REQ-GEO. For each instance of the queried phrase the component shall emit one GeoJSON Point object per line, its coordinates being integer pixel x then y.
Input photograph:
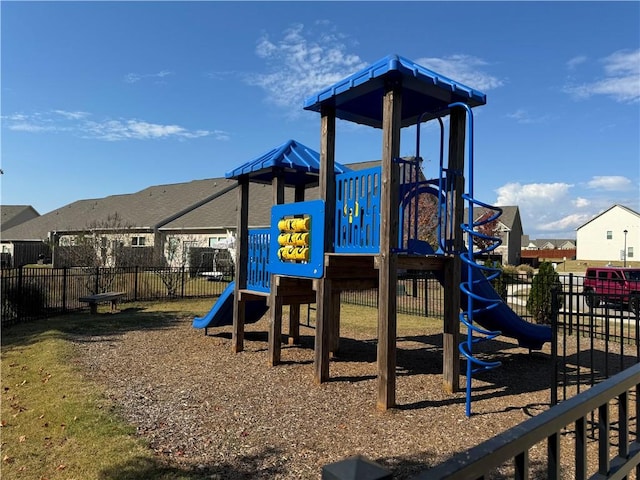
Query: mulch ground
{"type": "Point", "coordinates": [224, 415]}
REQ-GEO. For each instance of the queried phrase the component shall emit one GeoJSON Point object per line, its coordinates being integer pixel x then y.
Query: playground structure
{"type": "Point", "coordinates": [364, 228]}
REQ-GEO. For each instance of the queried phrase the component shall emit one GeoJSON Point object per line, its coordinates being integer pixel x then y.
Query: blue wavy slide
{"type": "Point", "coordinates": [500, 317]}
{"type": "Point", "coordinates": [222, 311]}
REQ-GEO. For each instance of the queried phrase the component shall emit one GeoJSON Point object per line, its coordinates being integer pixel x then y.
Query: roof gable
{"type": "Point", "coordinates": [627, 209]}
{"type": "Point", "coordinates": [12, 215]}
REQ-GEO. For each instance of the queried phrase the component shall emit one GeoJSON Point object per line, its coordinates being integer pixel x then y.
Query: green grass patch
{"type": "Point", "coordinates": [55, 422]}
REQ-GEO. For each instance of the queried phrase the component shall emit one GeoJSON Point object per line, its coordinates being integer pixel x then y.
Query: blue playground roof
{"type": "Point", "coordinates": [358, 98]}
{"type": "Point", "coordinates": [300, 164]}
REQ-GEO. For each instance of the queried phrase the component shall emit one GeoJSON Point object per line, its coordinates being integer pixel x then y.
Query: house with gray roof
{"type": "Point", "coordinates": [11, 216]}
{"type": "Point", "coordinates": [508, 227]}
{"type": "Point", "coordinates": [170, 218]}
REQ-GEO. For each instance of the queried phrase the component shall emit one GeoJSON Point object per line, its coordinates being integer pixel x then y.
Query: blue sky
{"type": "Point", "coordinates": [104, 98]}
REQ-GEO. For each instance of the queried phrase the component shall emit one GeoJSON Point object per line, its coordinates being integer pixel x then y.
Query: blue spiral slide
{"type": "Point", "coordinates": [222, 311]}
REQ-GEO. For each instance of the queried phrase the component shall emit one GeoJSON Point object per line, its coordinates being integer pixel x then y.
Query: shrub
{"type": "Point", "coordinates": [528, 269]}
{"type": "Point", "coordinates": [500, 282]}
{"type": "Point", "coordinates": [29, 300]}
{"type": "Point", "coordinates": [539, 303]}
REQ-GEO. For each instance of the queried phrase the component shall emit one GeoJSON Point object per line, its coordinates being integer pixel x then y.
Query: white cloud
{"type": "Point", "coordinates": [57, 121]}
{"type": "Point", "coordinates": [136, 77]}
{"type": "Point", "coordinates": [31, 127]}
{"type": "Point", "coordinates": [300, 63]}
{"type": "Point", "coordinates": [611, 182]}
{"type": "Point", "coordinates": [581, 202]}
{"type": "Point", "coordinates": [465, 69]}
{"type": "Point", "coordinates": [575, 61]}
{"type": "Point", "coordinates": [621, 79]}
{"type": "Point", "coordinates": [531, 194]}
{"type": "Point", "coordinates": [115, 130]}
{"type": "Point", "coordinates": [566, 223]}
{"type": "Point", "coordinates": [523, 117]}
{"type": "Point", "coordinates": [549, 209]}
{"type": "Point", "coordinates": [71, 115]}
{"type": "Point", "coordinates": [540, 204]}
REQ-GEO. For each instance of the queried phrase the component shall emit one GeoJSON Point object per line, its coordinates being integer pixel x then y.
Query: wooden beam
{"type": "Point", "coordinates": [275, 324]}
{"type": "Point", "coordinates": [388, 272]}
{"type": "Point", "coordinates": [294, 324]}
{"type": "Point", "coordinates": [420, 262]}
{"type": "Point", "coordinates": [327, 183]}
{"type": "Point", "coordinates": [451, 333]}
{"type": "Point", "coordinates": [335, 322]}
{"type": "Point", "coordinates": [341, 284]}
{"type": "Point", "coordinates": [242, 260]}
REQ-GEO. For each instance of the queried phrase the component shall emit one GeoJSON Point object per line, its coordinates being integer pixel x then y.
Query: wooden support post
{"type": "Point", "coordinates": [275, 299]}
{"type": "Point", "coordinates": [275, 323]}
{"type": "Point", "coordinates": [294, 324]}
{"type": "Point", "coordinates": [335, 322]}
{"type": "Point", "coordinates": [323, 333]}
{"type": "Point", "coordinates": [450, 340]}
{"type": "Point", "coordinates": [327, 183]}
{"type": "Point", "coordinates": [242, 260]}
{"type": "Point", "coordinates": [388, 271]}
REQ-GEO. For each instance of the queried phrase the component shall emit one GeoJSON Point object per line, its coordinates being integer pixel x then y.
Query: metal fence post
{"type": "Point", "coordinates": [64, 289]}
{"type": "Point", "coordinates": [425, 282]}
{"type": "Point", "coordinates": [554, 346]}
{"type": "Point", "coordinates": [182, 282]}
{"type": "Point", "coordinates": [20, 293]}
{"type": "Point", "coordinates": [135, 285]}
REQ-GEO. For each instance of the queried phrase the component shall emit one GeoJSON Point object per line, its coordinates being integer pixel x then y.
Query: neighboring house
{"type": "Point", "coordinates": [163, 221]}
{"type": "Point", "coordinates": [17, 253]}
{"type": "Point", "coordinates": [549, 244]}
{"type": "Point", "coordinates": [182, 215]}
{"type": "Point", "coordinates": [547, 250]}
{"type": "Point", "coordinates": [508, 229]}
{"type": "Point", "coordinates": [613, 235]}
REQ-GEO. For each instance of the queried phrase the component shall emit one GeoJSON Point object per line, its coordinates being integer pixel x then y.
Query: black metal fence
{"type": "Point", "coordinates": [30, 293]}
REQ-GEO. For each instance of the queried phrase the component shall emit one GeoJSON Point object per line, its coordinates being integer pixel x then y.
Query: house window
{"type": "Point", "coordinates": [214, 241]}
{"type": "Point", "coordinates": [137, 241]}
{"type": "Point", "coordinates": [630, 252]}
{"type": "Point", "coordinates": [609, 234]}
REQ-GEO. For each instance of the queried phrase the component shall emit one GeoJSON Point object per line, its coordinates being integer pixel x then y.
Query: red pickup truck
{"type": "Point", "coordinates": [613, 284]}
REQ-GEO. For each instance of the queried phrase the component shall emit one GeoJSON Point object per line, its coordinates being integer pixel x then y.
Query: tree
{"type": "Point", "coordinates": [173, 262]}
{"type": "Point", "coordinates": [97, 248]}
{"type": "Point", "coordinates": [487, 229]}
{"type": "Point", "coordinates": [540, 302]}
{"type": "Point", "coordinates": [427, 206]}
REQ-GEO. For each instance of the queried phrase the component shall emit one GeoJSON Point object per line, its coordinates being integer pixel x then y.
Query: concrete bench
{"type": "Point", "coordinates": [94, 300]}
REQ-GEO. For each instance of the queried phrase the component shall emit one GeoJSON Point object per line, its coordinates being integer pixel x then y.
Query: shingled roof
{"type": "Point", "coordinates": [510, 215]}
{"type": "Point", "coordinates": [147, 209]}
{"type": "Point", "coordinates": [12, 215]}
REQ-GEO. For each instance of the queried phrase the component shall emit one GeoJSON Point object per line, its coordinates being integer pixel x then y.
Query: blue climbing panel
{"type": "Point", "coordinates": [357, 220]}
{"type": "Point", "coordinates": [258, 278]}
